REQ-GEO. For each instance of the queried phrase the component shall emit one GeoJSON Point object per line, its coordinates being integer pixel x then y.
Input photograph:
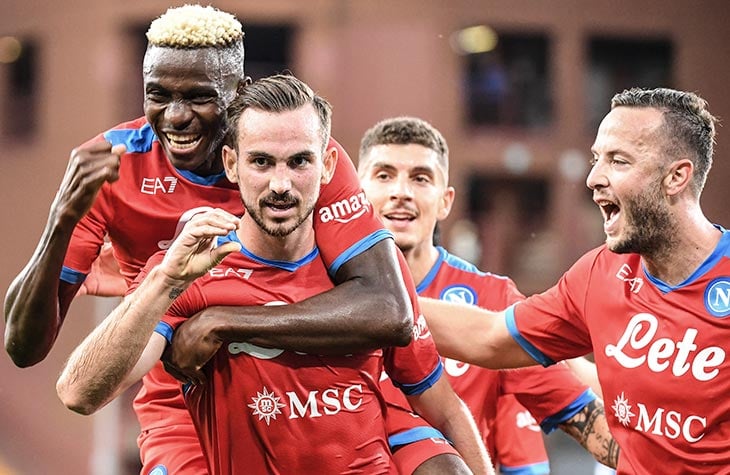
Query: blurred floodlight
{"type": "Point", "coordinates": [474, 39]}
{"type": "Point", "coordinates": [10, 49]}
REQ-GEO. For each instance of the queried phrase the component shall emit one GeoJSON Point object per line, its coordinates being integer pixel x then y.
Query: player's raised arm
{"type": "Point", "coordinates": [124, 346]}
{"type": "Point", "coordinates": [473, 335]}
{"type": "Point", "coordinates": [37, 301]}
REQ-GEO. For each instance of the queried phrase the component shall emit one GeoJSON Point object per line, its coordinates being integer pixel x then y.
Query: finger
{"type": "Point", "coordinates": [219, 253]}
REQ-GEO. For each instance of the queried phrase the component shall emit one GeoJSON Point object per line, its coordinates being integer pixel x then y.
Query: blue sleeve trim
{"type": "Point", "coordinates": [539, 468]}
{"type": "Point", "coordinates": [137, 140]}
{"type": "Point", "coordinates": [165, 330]}
{"type": "Point", "coordinates": [358, 248]}
{"type": "Point", "coordinates": [536, 354]}
{"type": "Point", "coordinates": [424, 384]}
{"type": "Point", "coordinates": [549, 424]}
{"type": "Point", "coordinates": [414, 435]}
{"type": "Point", "coordinates": [72, 276]}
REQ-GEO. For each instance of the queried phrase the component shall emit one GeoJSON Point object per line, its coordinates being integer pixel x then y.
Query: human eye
{"type": "Point", "coordinates": [156, 95]}
{"type": "Point", "coordinates": [300, 161]}
{"type": "Point", "coordinates": [422, 178]}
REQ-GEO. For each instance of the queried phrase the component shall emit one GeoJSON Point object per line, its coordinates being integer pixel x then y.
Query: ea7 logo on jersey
{"type": "Point", "coordinates": [717, 297]}
{"type": "Point", "coordinates": [635, 283]}
{"type": "Point", "coordinates": [241, 273]}
{"type": "Point", "coordinates": [459, 294]}
{"type": "Point", "coordinates": [345, 210]}
{"type": "Point", "coordinates": [152, 186]}
{"type": "Point", "coordinates": [663, 423]}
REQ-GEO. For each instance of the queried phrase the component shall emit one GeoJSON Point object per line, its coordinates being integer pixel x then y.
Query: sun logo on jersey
{"type": "Point", "coordinates": [622, 410]}
{"type": "Point", "coordinates": [266, 405]}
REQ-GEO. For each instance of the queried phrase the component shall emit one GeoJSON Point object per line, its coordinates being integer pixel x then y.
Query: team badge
{"type": "Point", "coordinates": [158, 470]}
{"type": "Point", "coordinates": [717, 297]}
{"type": "Point", "coordinates": [459, 294]}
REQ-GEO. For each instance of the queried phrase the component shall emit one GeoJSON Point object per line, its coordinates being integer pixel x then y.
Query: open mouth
{"type": "Point", "coordinates": [400, 216]}
{"type": "Point", "coordinates": [183, 142]}
{"type": "Point", "coordinates": [610, 212]}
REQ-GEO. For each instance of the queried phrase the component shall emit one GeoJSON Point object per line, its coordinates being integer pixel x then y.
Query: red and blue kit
{"type": "Point", "coordinates": [552, 397]}
{"type": "Point", "coordinates": [147, 207]}
{"type": "Point", "coordinates": [271, 411]}
{"type": "Point", "coordinates": [660, 352]}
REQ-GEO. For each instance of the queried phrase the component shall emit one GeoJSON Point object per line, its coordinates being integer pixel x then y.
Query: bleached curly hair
{"type": "Point", "coordinates": [194, 26]}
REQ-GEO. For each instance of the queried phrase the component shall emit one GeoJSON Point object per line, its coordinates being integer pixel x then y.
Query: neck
{"type": "Point", "coordinates": [420, 260]}
{"type": "Point", "coordinates": [288, 248]}
{"type": "Point", "coordinates": [694, 239]}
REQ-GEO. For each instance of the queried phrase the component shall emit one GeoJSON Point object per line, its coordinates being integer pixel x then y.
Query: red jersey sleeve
{"type": "Point", "coordinates": [345, 224]}
{"type": "Point", "coordinates": [416, 367]}
{"type": "Point", "coordinates": [551, 326]}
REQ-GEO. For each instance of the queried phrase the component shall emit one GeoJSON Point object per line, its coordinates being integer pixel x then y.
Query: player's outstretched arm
{"type": "Point", "coordinates": [590, 428]}
{"type": "Point", "coordinates": [441, 407]}
{"type": "Point", "coordinates": [369, 309]}
{"type": "Point", "coordinates": [37, 301]}
{"type": "Point", "coordinates": [124, 347]}
{"type": "Point", "coordinates": [473, 335]}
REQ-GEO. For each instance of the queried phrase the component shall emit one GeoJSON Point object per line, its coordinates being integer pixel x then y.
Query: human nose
{"type": "Point", "coordinates": [401, 188]}
{"type": "Point", "coordinates": [280, 181]}
{"type": "Point", "coordinates": [596, 176]}
{"type": "Point", "coordinates": [178, 113]}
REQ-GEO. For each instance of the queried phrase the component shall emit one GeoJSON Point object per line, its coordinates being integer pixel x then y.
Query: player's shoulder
{"type": "Point", "coordinates": [136, 134]}
{"type": "Point", "coordinates": [456, 264]}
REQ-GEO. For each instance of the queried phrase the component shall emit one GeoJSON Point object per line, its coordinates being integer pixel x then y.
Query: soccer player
{"type": "Point", "coordinates": [651, 303]}
{"type": "Point", "coordinates": [331, 405]}
{"type": "Point", "coordinates": [138, 183]}
{"type": "Point", "coordinates": [403, 167]}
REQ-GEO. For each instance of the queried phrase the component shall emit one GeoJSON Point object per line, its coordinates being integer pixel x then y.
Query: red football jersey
{"type": "Point", "coordinates": [146, 208]}
{"type": "Point", "coordinates": [551, 396]}
{"type": "Point", "coordinates": [659, 350]}
{"type": "Point", "coordinates": [258, 400]}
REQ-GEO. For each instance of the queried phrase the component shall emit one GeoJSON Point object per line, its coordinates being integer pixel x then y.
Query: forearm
{"type": "Point", "coordinates": [36, 301]}
{"type": "Point", "coordinates": [590, 428]}
{"type": "Point", "coordinates": [441, 407]}
{"type": "Point", "coordinates": [98, 369]}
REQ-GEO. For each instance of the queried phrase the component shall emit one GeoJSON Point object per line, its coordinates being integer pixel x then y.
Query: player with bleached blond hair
{"type": "Point", "coordinates": [138, 183]}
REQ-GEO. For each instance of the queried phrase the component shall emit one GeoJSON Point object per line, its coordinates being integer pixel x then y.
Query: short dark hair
{"type": "Point", "coordinates": [278, 93]}
{"type": "Point", "coordinates": [406, 131]}
{"type": "Point", "coordinates": [690, 127]}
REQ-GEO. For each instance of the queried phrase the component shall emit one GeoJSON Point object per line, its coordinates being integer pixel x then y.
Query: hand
{"type": "Point", "coordinates": [193, 253]}
{"type": "Point", "coordinates": [193, 345]}
{"type": "Point", "coordinates": [89, 167]}
{"type": "Point", "coordinates": [105, 278]}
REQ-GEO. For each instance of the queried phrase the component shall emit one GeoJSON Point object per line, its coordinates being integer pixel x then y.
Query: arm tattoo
{"type": "Point", "coordinates": [175, 293]}
{"type": "Point", "coordinates": [590, 428]}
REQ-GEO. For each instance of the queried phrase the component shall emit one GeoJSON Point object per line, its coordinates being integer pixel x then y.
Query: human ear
{"type": "Point", "coordinates": [679, 176]}
{"type": "Point", "coordinates": [447, 201]}
{"type": "Point", "coordinates": [230, 159]}
{"type": "Point", "coordinates": [329, 164]}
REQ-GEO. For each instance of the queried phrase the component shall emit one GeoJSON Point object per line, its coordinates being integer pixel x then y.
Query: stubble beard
{"type": "Point", "coordinates": [277, 231]}
{"type": "Point", "coordinates": [648, 227]}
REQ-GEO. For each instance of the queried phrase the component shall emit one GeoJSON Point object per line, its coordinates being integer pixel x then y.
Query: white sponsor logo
{"type": "Point", "coordinates": [152, 186]}
{"type": "Point", "coordinates": [184, 218]}
{"type": "Point", "coordinates": [664, 423]}
{"type": "Point", "coordinates": [345, 210]}
{"type": "Point", "coordinates": [219, 272]}
{"type": "Point", "coordinates": [420, 328]}
{"type": "Point", "coordinates": [455, 368]}
{"type": "Point", "coordinates": [524, 420]}
{"type": "Point", "coordinates": [661, 354]}
{"type": "Point", "coordinates": [635, 283]}
{"type": "Point", "coordinates": [267, 405]}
